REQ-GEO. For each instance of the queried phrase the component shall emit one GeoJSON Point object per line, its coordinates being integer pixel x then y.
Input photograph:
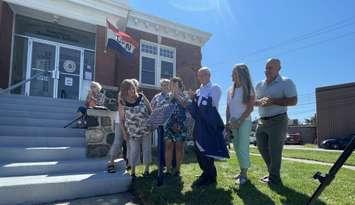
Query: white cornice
{"type": "Point", "coordinates": [95, 12]}
{"type": "Point", "coordinates": [90, 11]}
{"type": "Point", "coordinates": [161, 27]}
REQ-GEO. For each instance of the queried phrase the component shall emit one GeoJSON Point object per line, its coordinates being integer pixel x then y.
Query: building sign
{"type": "Point", "coordinates": [69, 66]}
{"type": "Point", "coordinates": [68, 81]}
{"type": "Point", "coordinates": [88, 75]}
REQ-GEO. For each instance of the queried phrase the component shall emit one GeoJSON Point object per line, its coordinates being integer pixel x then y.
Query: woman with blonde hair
{"type": "Point", "coordinates": [135, 129]}
{"type": "Point", "coordinates": [240, 102]}
{"type": "Point", "coordinates": [94, 98]}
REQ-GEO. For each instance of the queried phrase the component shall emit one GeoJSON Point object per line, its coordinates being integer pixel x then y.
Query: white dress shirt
{"type": "Point", "coordinates": [209, 90]}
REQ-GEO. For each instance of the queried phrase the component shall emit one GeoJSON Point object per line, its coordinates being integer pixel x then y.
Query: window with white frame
{"type": "Point", "coordinates": [156, 62]}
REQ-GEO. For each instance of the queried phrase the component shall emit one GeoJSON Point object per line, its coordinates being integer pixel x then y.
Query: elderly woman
{"type": "Point", "coordinates": [158, 101]}
{"type": "Point", "coordinates": [175, 130]}
{"type": "Point", "coordinates": [240, 101]}
{"type": "Point", "coordinates": [94, 98]}
{"type": "Point", "coordinates": [135, 130]}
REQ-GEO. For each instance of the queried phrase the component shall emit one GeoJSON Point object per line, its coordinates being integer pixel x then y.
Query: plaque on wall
{"type": "Point", "coordinates": [69, 66]}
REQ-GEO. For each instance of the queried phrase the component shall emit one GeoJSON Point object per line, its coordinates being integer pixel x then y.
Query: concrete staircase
{"type": "Point", "coordinates": [41, 162]}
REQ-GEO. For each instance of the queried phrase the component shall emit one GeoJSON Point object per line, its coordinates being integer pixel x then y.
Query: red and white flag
{"type": "Point", "coordinates": [119, 40]}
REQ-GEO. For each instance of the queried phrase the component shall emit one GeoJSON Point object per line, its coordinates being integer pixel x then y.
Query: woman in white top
{"type": "Point", "coordinates": [240, 101]}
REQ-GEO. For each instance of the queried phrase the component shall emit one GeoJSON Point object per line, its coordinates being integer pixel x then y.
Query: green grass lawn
{"type": "Point", "coordinates": [297, 178]}
{"type": "Point", "coordinates": [310, 145]}
{"type": "Point", "coordinates": [321, 156]}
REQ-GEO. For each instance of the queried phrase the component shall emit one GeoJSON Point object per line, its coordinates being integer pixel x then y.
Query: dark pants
{"type": "Point", "coordinates": [270, 138]}
{"type": "Point", "coordinates": [161, 148]}
{"type": "Point", "coordinates": [124, 150]}
{"type": "Point", "coordinates": [206, 164]}
{"type": "Point", "coordinates": [161, 155]}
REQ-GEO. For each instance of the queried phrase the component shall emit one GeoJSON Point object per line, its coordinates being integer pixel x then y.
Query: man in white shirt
{"type": "Point", "coordinates": [209, 142]}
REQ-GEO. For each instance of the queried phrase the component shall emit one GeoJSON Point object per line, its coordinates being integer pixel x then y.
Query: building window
{"type": "Point", "coordinates": [156, 62]}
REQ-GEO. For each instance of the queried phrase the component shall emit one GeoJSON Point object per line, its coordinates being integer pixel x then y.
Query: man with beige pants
{"type": "Point", "coordinates": [273, 95]}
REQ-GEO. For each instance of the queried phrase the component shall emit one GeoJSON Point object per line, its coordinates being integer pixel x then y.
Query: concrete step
{"type": "Point", "coordinates": [37, 114]}
{"type": "Point", "coordinates": [52, 103]}
{"type": "Point", "coordinates": [38, 154]}
{"type": "Point", "coordinates": [50, 188]}
{"type": "Point", "coordinates": [41, 141]}
{"type": "Point", "coordinates": [21, 121]}
{"type": "Point", "coordinates": [57, 167]}
{"type": "Point", "coordinates": [40, 131]}
{"type": "Point", "coordinates": [40, 99]}
{"type": "Point", "coordinates": [39, 108]}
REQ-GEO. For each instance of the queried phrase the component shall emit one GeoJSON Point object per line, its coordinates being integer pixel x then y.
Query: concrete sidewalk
{"type": "Point", "coordinates": [301, 147]}
{"type": "Point", "coordinates": [309, 161]}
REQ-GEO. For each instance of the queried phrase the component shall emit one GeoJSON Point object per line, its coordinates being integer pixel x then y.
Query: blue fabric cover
{"type": "Point", "coordinates": [209, 127]}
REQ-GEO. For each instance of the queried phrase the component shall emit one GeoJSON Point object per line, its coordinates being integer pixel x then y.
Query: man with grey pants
{"type": "Point", "coordinates": [273, 95]}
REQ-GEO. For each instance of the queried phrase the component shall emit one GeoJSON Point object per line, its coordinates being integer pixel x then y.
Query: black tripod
{"type": "Point", "coordinates": [326, 179]}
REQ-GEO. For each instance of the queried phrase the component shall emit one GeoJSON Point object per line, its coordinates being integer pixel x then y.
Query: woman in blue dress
{"type": "Point", "coordinates": [175, 129]}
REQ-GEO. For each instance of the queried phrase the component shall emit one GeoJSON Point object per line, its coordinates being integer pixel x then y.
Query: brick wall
{"type": "Point", "coordinates": [112, 68]}
{"type": "Point", "coordinates": [308, 133]}
{"type": "Point", "coordinates": [6, 19]}
{"type": "Point", "coordinates": [105, 60]}
{"type": "Point", "coordinates": [335, 111]}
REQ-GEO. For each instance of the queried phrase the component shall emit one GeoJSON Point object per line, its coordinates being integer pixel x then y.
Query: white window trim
{"type": "Point", "coordinates": [158, 60]}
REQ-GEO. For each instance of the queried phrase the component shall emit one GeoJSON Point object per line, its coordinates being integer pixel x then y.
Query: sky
{"type": "Point", "coordinates": [314, 39]}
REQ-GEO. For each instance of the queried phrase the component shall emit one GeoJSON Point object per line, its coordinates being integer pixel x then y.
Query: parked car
{"type": "Point", "coordinates": [336, 143]}
{"type": "Point", "coordinates": [252, 138]}
{"type": "Point", "coordinates": [294, 138]}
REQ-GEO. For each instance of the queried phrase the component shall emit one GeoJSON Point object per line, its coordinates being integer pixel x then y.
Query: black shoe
{"type": "Point", "coordinates": [146, 174]}
{"type": "Point", "coordinates": [203, 181]}
{"type": "Point", "coordinates": [160, 180]}
{"type": "Point", "coordinates": [133, 177]}
{"type": "Point", "coordinates": [271, 181]}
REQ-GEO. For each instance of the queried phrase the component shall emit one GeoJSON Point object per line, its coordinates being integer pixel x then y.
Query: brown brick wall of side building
{"type": "Point", "coordinates": [335, 111]}
{"type": "Point", "coordinates": [128, 68]}
{"type": "Point", "coordinates": [6, 19]}
{"type": "Point", "coordinates": [188, 61]}
{"type": "Point", "coordinates": [105, 60]}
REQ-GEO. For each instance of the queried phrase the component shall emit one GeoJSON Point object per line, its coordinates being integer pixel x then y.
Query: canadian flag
{"type": "Point", "coordinates": [119, 40]}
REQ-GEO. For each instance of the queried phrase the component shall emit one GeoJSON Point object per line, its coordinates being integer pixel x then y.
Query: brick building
{"type": "Point", "coordinates": [68, 37]}
{"type": "Point", "coordinates": [335, 111]}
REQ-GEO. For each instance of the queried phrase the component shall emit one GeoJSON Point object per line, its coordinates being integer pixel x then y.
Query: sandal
{"type": "Point", "coordinates": [111, 168]}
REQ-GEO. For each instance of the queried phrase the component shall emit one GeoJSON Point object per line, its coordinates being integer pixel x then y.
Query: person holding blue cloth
{"type": "Point", "coordinates": [209, 127]}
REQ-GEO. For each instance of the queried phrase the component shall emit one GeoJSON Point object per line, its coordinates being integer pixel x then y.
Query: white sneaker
{"type": "Point", "coordinates": [241, 180]}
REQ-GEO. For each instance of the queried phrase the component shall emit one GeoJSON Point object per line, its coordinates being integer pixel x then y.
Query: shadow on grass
{"type": "Point", "coordinates": [171, 192]}
{"type": "Point", "coordinates": [209, 195]}
{"type": "Point", "coordinates": [292, 196]}
{"type": "Point", "coordinates": [251, 195]}
{"type": "Point", "coordinates": [189, 155]}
